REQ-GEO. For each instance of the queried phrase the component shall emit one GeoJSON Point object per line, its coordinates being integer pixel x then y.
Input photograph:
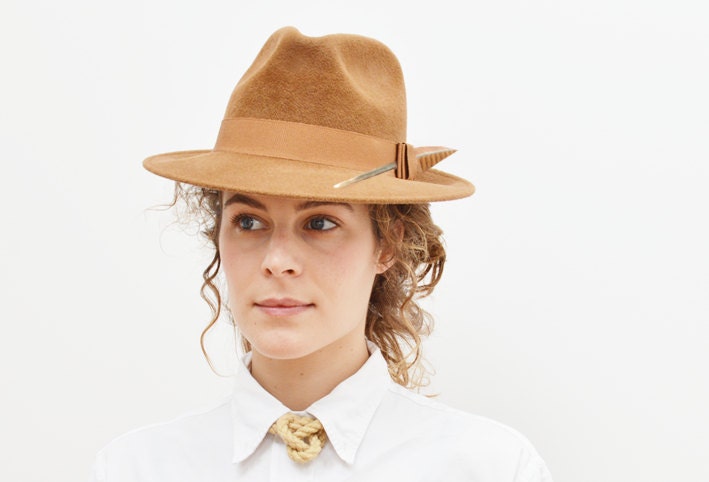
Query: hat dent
{"type": "Point", "coordinates": [342, 81]}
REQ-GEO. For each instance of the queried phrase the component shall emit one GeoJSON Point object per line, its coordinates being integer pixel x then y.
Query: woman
{"type": "Point", "coordinates": [317, 209]}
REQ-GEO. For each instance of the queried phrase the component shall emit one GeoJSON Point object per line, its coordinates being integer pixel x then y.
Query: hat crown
{"type": "Point", "coordinates": [342, 81]}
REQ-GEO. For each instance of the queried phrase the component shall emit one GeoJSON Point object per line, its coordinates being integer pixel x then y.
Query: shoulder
{"type": "Point", "coordinates": [427, 410]}
{"type": "Point", "coordinates": [205, 431]}
{"type": "Point", "coordinates": [195, 424]}
{"type": "Point", "coordinates": [463, 438]}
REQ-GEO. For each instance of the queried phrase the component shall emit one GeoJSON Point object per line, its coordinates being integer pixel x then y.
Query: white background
{"type": "Point", "coordinates": [575, 304]}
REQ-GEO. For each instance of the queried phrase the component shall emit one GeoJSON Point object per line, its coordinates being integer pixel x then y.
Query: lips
{"type": "Point", "coordinates": [282, 306]}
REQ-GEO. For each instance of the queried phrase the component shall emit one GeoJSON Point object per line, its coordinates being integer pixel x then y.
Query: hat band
{"type": "Point", "coordinates": [305, 142]}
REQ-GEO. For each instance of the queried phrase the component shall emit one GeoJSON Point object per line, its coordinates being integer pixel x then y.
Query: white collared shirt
{"type": "Point", "coordinates": [376, 430]}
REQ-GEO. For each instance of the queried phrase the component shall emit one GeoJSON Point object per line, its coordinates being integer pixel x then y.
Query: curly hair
{"type": "Point", "coordinates": [395, 321]}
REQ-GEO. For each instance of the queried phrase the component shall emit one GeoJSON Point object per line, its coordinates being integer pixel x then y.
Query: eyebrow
{"type": "Point", "coordinates": [241, 199]}
{"type": "Point", "coordinates": [249, 201]}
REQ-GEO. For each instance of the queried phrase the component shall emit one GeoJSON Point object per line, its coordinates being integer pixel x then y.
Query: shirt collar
{"type": "Point", "coordinates": [346, 412]}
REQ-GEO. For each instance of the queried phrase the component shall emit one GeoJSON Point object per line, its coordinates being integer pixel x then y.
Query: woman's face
{"type": "Point", "coordinates": [299, 273]}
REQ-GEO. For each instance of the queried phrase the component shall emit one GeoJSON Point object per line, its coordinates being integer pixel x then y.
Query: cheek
{"type": "Point", "coordinates": [235, 265]}
{"type": "Point", "coordinates": [351, 272]}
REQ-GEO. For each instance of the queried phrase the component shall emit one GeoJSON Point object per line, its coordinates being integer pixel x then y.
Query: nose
{"type": "Point", "coordinates": [281, 257]}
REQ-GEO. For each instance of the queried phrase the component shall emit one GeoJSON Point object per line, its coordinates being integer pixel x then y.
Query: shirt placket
{"type": "Point", "coordinates": [285, 469]}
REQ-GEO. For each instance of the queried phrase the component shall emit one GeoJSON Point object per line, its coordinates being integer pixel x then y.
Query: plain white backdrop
{"type": "Point", "coordinates": [575, 305]}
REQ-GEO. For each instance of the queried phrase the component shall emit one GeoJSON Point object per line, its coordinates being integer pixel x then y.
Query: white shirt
{"type": "Point", "coordinates": [376, 431]}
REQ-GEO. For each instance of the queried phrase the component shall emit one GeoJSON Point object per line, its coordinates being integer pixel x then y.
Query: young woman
{"type": "Point", "coordinates": [317, 209]}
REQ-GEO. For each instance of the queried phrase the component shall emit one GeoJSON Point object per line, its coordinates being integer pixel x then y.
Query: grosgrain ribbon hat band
{"type": "Point", "coordinates": [334, 147]}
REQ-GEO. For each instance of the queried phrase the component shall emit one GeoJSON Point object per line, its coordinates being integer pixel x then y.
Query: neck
{"type": "Point", "coordinates": [301, 382]}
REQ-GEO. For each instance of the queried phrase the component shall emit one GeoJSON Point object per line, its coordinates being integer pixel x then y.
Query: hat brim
{"type": "Point", "coordinates": [231, 171]}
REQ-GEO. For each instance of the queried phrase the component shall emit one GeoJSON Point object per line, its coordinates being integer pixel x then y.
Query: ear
{"type": "Point", "coordinates": [386, 256]}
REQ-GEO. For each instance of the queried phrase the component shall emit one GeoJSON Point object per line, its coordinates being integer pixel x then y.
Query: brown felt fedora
{"type": "Point", "coordinates": [321, 118]}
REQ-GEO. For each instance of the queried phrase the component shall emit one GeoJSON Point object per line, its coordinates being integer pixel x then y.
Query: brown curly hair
{"type": "Point", "coordinates": [395, 321]}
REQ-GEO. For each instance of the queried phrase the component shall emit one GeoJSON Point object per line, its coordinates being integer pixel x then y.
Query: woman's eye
{"type": "Point", "coordinates": [320, 224]}
{"type": "Point", "coordinates": [248, 223]}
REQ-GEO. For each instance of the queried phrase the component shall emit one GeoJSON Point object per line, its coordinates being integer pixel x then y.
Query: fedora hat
{"type": "Point", "coordinates": [321, 118]}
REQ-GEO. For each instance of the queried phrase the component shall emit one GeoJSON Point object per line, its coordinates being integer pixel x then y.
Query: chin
{"type": "Point", "coordinates": [281, 346]}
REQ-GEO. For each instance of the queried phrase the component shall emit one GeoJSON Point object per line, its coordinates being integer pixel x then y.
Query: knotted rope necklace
{"type": "Point", "coordinates": [304, 436]}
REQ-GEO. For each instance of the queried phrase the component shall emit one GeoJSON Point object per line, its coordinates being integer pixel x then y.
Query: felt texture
{"type": "Point", "coordinates": [342, 81]}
